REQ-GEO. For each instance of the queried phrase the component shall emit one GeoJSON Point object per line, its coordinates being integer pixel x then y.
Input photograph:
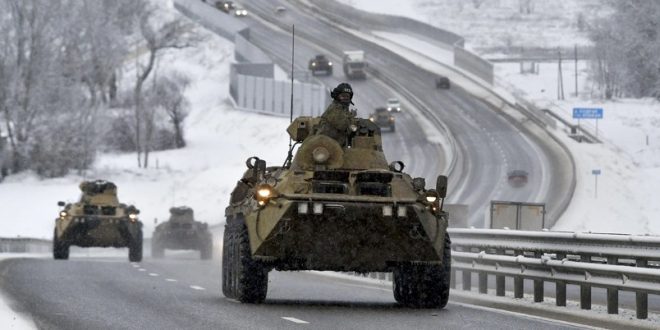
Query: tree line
{"type": "Point", "coordinates": [65, 93]}
{"type": "Point", "coordinates": [626, 48]}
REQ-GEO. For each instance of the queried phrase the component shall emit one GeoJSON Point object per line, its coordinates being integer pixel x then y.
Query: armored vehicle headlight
{"type": "Point", "coordinates": [263, 193]}
{"type": "Point", "coordinates": [132, 216]}
{"type": "Point", "coordinates": [321, 155]}
{"type": "Point", "coordinates": [401, 211]}
{"type": "Point", "coordinates": [371, 118]}
{"type": "Point", "coordinates": [387, 210]}
{"type": "Point", "coordinates": [318, 208]}
{"type": "Point", "coordinates": [313, 63]}
{"type": "Point", "coordinates": [354, 128]}
{"type": "Point", "coordinates": [303, 207]}
{"type": "Point", "coordinates": [330, 63]}
{"type": "Point", "coordinates": [63, 214]}
{"type": "Point", "coordinates": [431, 196]}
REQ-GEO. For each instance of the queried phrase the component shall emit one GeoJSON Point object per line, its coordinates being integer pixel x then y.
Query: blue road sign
{"type": "Point", "coordinates": [595, 172]}
{"type": "Point", "coordinates": [588, 113]}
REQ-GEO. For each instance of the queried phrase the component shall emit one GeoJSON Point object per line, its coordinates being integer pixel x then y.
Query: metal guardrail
{"type": "Point", "coordinates": [611, 261]}
{"type": "Point", "coordinates": [24, 245]}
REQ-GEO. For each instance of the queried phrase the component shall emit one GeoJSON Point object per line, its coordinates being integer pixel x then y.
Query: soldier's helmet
{"type": "Point", "coordinates": [342, 88]}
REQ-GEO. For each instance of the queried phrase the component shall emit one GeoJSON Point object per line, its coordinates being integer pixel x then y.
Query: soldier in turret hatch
{"type": "Point", "coordinates": [337, 118]}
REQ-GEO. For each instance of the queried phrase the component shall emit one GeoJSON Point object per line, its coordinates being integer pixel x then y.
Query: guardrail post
{"type": "Point", "coordinates": [467, 280]}
{"type": "Point", "coordinates": [612, 294]}
{"type": "Point", "coordinates": [560, 287]}
{"type": "Point", "coordinates": [500, 280]}
{"type": "Point", "coordinates": [585, 289]}
{"type": "Point", "coordinates": [518, 282]}
{"type": "Point", "coordinates": [642, 299]}
{"type": "Point", "coordinates": [483, 282]}
{"type": "Point", "coordinates": [538, 284]}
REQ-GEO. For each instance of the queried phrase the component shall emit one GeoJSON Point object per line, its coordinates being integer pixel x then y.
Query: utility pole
{"type": "Point", "coordinates": [576, 71]}
{"type": "Point", "coordinates": [560, 79]}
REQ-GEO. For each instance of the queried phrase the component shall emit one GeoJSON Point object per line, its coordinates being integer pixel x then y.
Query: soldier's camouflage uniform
{"type": "Point", "coordinates": [335, 122]}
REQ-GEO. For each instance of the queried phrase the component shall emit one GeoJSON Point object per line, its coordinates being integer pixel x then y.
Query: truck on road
{"type": "Point", "coordinates": [354, 64]}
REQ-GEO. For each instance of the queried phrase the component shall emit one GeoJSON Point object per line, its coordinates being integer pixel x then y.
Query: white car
{"type": "Point", "coordinates": [240, 11]}
{"type": "Point", "coordinates": [393, 105]}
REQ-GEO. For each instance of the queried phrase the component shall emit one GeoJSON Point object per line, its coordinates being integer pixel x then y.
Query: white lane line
{"type": "Point", "coordinates": [195, 287]}
{"type": "Point", "coordinates": [153, 274]}
{"type": "Point", "coordinates": [295, 320]}
{"type": "Point", "coordinates": [142, 270]}
{"type": "Point", "coordinates": [170, 280]}
{"type": "Point", "coordinates": [135, 265]}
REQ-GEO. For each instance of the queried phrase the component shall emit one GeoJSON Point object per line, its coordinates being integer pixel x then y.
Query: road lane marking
{"type": "Point", "coordinates": [142, 270]}
{"type": "Point", "coordinates": [153, 274]}
{"type": "Point", "coordinates": [195, 287]}
{"type": "Point", "coordinates": [295, 320]}
{"type": "Point", "coordinates": [135, 265]}
{"type": "Point", "coordinates": [170, 280]}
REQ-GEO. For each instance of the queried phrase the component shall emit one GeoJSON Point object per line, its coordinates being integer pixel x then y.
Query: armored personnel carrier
{"type": "Point", "coordinates": [98, 220]}
{"type": "Point", "coordinates": [182, 232]}
{"type": "Point", "coordinates": [334, 208]}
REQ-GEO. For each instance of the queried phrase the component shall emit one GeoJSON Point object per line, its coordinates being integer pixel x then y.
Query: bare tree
{"type": "Point", "coordinates": [172, 34]}
{"type": "Point", "coordinates": [170, 96]}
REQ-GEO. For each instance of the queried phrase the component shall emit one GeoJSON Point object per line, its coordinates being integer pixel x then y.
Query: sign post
{"type": "Point", "coordinates": [596, 173]}
{"type": "Point", "coordinates": [588, 113]}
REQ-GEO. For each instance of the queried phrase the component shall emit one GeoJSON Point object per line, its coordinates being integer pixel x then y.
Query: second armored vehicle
{"type": "Point", "coordinates": [383, 118]}
{"type": "Point", "coordinates": [320, 63]}
{"type": "Point", "coordinates": [335, 208]}
{"type": "Point", "coordinates": [182, 232]}
{"type": "Point", "coordinates": [98, 220]}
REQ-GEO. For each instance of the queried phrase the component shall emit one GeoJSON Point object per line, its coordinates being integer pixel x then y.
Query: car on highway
{"type": "Point", "coordinates": [442, 82]}
{"type": "Point", "coordinates": [383, 118]}
{"type": "Point", "coordinates": [240, 11]}
{"type": "Point", "coordinates": [517, 178]}
{"type": "Point", "coordinates": [280, 10]}
{"type": "Point", "coordinates": [393, 105]}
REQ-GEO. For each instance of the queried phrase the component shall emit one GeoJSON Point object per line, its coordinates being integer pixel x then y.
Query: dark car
{"type": "Point", "coordinates": [442, 82]}
{"type": "Point", "coordinates": [226, 6]}
{"type": "Point", "coordinates": [517, 178]}
{"type": "Point", "coordinates": [383, 118]}
{"type": "Point", "coordinates": [320, 63]}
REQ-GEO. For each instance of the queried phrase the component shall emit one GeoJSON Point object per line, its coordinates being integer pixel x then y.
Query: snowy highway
{"type": "Point", "coordinates": [182, 292]}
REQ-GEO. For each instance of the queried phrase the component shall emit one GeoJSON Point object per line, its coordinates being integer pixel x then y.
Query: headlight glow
{"type": "Point", "coordinates": [132, 216]}
{"type": "Point", "coordinates": [431, 199]}
{"type": "Point", "coordinates": [63, 214]}
{"type": "Point", "coordinates": [264, 192]}
{"type": "Point", "coordinates": [330, 63]}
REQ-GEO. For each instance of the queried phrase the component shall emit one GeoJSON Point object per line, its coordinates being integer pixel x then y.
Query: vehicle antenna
{"type": "Point", "coordinates": [287, 163]}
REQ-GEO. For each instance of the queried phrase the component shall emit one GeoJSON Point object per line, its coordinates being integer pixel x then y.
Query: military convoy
{"type": "Point", "coordinates": [334, 208]}
{"type": "Point", "coordinates": [182, 232]}
{"type": "Point", "coordinates": [97, 220]}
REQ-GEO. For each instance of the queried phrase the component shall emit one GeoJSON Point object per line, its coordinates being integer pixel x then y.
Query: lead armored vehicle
{"type": "Point", "coordinates": [182, 232]}
{"type": "Point", "coordinates": [383, 118]}
{"type": "Point", "coordinates": [98, 220]}
{"type": "Point", "coordinates": [334, 208]}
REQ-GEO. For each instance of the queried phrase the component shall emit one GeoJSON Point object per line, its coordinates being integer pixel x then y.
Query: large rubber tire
{"type": "Point", "coordinates": [227, 284]}
{"type": "Point", "coordinates": [60, 249]}
{"type": "Point", "coordinates": [244, 279]}
{"type": "Point", "coordinates": [157, 250]}
{"type": "Point", "coordinates": [424, 286]}
{"type": "Point", "coordinates": [206, 252]}
{"type": "Point", "coordinates": [135, 248]}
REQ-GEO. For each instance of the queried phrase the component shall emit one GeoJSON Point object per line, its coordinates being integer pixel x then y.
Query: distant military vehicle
{"type": "Point", "coordinates": [334, 208]}
{"type": "Point", "coordinates": [383, 118]}
{"type": "Point", "coordinates": [393, 105]}
{"type": "Point", "coordinates": [98, 220]}
{"type": "Point", "coordinates": [320, 63]}
{"type": "Point", "coordinates": [442, 82]}
{"type": "Point", "coordinates": [182, 232]}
